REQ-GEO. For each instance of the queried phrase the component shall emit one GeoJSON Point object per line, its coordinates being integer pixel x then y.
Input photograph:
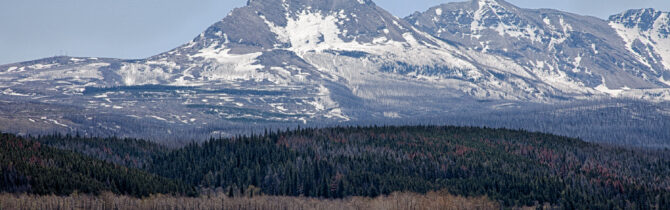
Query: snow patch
{"type": "Point", "coordinates": [11, 92]}
{"type": "Point", "coordinates": [337, 113]}
{"type": "Point", "coordinates": [653, 37]}
{"type": "Point", "coordinates": [604, 89]}
{"type": "Point", "coordinates": [391, 115]}
{"type": "Point", "coordinates": [41, 66]}
{"type": "Point", "coordinates": [662, 79]}
{"type": "Point", "coordinates": [57, 123]}
{"type": "Point", "coordinates": [232, 67]}
{"type": "Point", "coordinates": [565, 26]}
{"type": "Point", "coordinates": [310, 31]}
{"type": "Point", "coordinates": [577, 63]}
{"type": "Point", "coordinates": [279, 107]}
{"type": "Point", "coordinates": [82, 73]}
{"type": "Point", "coordinates": [101, 96]}
{"type": "Point", "coordinates": [141, 74]}
{"type": "Point", "coordinates": [158, 118]}
{"type": "Point", "coordinates": [323, 102]}
{"type": "Point", "coordinates": [165, 63]}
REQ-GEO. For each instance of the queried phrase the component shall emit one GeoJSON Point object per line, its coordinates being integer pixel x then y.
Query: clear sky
{"type": "Point", "coordinates": [32, 29]}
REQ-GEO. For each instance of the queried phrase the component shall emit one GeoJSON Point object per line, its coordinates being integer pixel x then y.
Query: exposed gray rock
{"type": "Point", "coordinates": [585, 50]}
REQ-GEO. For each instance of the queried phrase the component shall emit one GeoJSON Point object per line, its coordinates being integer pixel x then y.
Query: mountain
{"type": "Point", "coordinates": [280, 63]}
{"type": "Point", "coordinates": [563, 50]}
{"type": "Point", "coordinates": [271, 61]}
{"type": "Point", "coordinates": [645, 33]}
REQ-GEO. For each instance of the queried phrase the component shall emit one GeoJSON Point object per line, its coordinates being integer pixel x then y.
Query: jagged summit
{"type": "Point", "coordinates": [499, 3]}
{"type": "Point", "coordinates": [305, 24]}
{"type": "Point", "coordinates": [321, 4]}
{"type": "Point", "coordinates": [476, 4]}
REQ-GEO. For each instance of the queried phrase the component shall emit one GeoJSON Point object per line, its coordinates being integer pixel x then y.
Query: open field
{"type": "Point", "coordinates": [408, 201]}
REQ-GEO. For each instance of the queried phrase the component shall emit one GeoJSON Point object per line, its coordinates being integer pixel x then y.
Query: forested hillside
{"type": "Point", "coordinates": [29, 167]}
{"type": "Point", "coordinates": [514, 167]}
{"type": "Point", "coordinates": [135, 153]}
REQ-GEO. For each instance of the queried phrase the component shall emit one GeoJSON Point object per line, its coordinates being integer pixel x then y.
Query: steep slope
{"type": "Point", "coordinates": [563, 50]}
{"type": "Point", "coordinates": [645, 33]}
{"type": "Point", "coordinates": [352, 43]}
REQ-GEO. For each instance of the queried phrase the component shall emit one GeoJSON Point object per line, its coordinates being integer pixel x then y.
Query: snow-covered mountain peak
{"type": "Point", "coordinates": [298, 61]}
{"type": "Point", "coordinates": [321, 4]}
{"type": "Point", "coordinates": [646, 33]}
{"type": "Point", "coordinates": [565, 51]}
{"type": "Point", "coordinates": [476, 18]}
{"type": "Point", "coordinates": [494, 13]}
{"type": "Point", "coordinates": [306, 25]}
{"type": "Point", "coordinates": [499, 4]}
{"type": "Point", "coordinates": [495, 3]}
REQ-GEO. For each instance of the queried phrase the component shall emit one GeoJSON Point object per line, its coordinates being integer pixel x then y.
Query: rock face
{"type": "Point", "coordinates": [284, 62]}
{"type": "Point", "coordinates": [645, 34]}
{"type": "Point", "coordinates": [562, 49]}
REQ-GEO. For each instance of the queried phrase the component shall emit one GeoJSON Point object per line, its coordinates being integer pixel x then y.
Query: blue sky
{"type": "Point", "coordinates": [32, 29]}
